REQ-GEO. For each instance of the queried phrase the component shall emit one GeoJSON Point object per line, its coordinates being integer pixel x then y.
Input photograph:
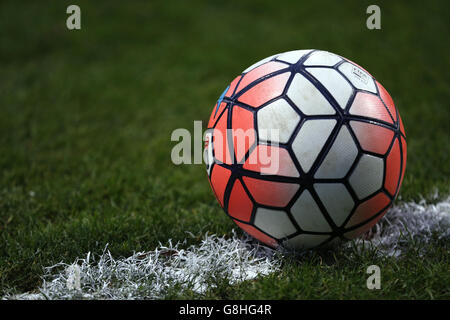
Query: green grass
{"type": "Point", "coordinates": [86, 118]}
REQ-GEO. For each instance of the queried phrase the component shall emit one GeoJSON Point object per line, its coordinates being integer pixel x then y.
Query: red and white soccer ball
{"type": "Point", "coordinates": [305, 147]}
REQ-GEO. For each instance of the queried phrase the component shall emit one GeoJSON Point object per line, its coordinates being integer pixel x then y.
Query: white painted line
{"type": "Point", "coordinates": [151, 275]}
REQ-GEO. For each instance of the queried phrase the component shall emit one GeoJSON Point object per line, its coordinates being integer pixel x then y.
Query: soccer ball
{"type": "Point", "coordinates": [303, 148]}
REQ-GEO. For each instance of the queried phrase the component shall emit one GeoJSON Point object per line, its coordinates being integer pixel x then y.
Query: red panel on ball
{"type": "Point", "coordinates": [219, 181]}
{"type": "Point", "coordinates": [263, 160]}
{"type": "Point", "coordinates": [240, 206]}
{"type": "Point", "coordinates": [220, 140]}
{"type": "Point", "coordinates": [215, 115]}
{"type": "Point", "coordinates": [265, 90]}
{"type": "Point", "coordinates": [243, 131]}
{"type": "Point", "coordinates": [255, 233]}
{"type": "Point", "coordinates": [393, 168]}
{"type": "Point", "coordinates": [233, 85]}
{"type": "Point", "coordinates": [369, 105]}
{"type": "Point", "coordinates": [270, 193]}
{"type": "Point", "coordinates": [259, 72]}
{"type": "Point", "coordinates": [364, 228]}
{"type": "Point", "coordinates": [372, 137]}
{"type": "Point", "coordinates": [386, 97]}
{"type": "Point", "coordinates": [368, 209]}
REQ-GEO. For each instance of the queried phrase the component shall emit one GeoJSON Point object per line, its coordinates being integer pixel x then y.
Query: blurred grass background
{"type": "Point", "coordinates": [86, 116]}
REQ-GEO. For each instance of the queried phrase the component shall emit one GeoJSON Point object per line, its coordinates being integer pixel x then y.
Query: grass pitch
{"type": "Point", "coordinates": [86, 118]}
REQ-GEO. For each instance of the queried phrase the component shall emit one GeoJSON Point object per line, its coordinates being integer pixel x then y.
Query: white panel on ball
{"type": "Point", "coordinates": [339, 158]}
{"type": "Point", "coordinates": [367, 177]}
{"type": "Point", "coordinates": [280, 116]}
{"type": "Point", "coordinates": [274, 222]}
{"type": "Point", "coordinates": [308, 215]}
{"type": "Point", "coordinates": [308, 98]}
{"type": "Point", "coordinates": [322, 58]}
{"type": "Point", "coordinates": [305, 241]}
{"type": "Point", "coordinates": [336, 200]}
{"type": "Point", "coordinates": [310, 140]}
{"type": "Point", "coordinates": [358, 77]}
{"type": "Point", "coordinates": [292, 56]}
{"type": "Point", "coordinates": [336, 85]}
